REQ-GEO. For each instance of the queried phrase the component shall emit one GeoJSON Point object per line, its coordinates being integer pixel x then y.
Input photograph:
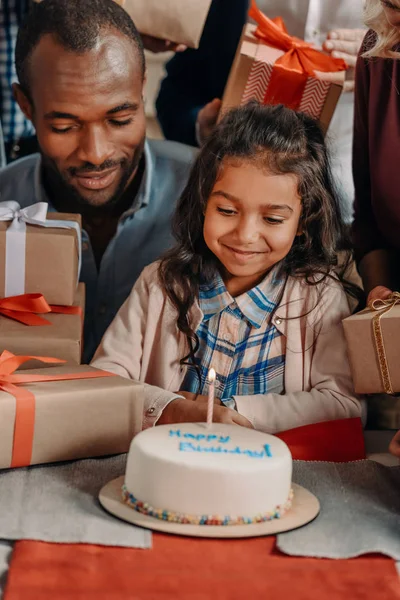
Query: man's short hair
{"type": "Point", "coordinates": [76, 25]}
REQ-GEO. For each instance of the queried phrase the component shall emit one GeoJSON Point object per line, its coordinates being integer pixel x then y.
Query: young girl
{"type": "Point", "coordinates": [249, 288]}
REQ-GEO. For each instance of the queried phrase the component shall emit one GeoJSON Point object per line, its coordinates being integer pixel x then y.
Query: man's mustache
{"type": "Point", "coordinates": [89, 168]}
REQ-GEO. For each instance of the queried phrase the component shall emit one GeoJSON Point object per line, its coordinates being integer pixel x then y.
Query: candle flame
{"type": "Point", "coordinates": [211, 376]}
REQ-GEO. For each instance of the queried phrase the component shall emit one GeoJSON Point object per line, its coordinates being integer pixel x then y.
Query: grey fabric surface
{"type": "Point", "coordinates": [59, 503]}
{"type": "Point", "coordinates": [360, 510]}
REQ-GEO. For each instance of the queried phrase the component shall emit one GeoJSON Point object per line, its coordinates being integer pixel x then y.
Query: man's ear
{"type": "Point", "coordinates": [23, 101]}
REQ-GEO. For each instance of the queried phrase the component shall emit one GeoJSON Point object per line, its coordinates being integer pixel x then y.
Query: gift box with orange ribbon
{"type": "Point", "coordinates": [274, 67]}
{"type": "Point", "coordinates": [30, 325]}
{"type": "Point", "coordinates": [64, 412]}
{"type": "Point", "coordinates": [373, 344]}
{"type": "Point", "coordinates": [40, 252]}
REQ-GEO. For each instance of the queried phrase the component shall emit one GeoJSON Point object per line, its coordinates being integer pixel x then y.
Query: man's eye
{"type": "Point", "coordinates": [60, 129]}
{"type": "Point", "coordinates": [120, 123]}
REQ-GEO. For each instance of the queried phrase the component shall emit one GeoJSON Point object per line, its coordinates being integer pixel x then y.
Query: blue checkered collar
{"type": "Point", "coordinates": [255, 305]}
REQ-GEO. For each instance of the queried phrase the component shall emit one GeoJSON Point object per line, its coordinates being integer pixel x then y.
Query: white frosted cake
{"type": "Point", "coordinates": [222, 475]}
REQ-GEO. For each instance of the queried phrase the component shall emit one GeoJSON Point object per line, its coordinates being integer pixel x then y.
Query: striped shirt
{"type": "Point", "coordinates": [15, 125]}
{"type": "Point", "coordinates": [239, 341]}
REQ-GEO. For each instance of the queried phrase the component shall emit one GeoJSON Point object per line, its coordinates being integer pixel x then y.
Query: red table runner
{"type": "Point", "coordinates": [201, 569]}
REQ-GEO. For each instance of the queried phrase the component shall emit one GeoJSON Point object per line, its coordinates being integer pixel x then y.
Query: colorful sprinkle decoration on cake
{"type": "Point", "coordinates": [173, 517]}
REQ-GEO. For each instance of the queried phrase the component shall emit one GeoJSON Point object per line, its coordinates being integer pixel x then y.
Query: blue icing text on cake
{"type": "Point", "coordinates": [200, 437]}
{"type": "Point", "coordinates": [217, 446]}
{"type": "Point", "coordinates": [189, 447]}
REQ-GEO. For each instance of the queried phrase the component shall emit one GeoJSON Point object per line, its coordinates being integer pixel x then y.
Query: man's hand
{"type": "Point", "coordinates": [380, 292]}
{"type": "Point", "coordinates": [345, 44]}
{"type": "Point", "coordinates": [156, 45]}
{"type": "Point", "coordinates": [206, 120]}
{"type": "Point", "coordinates": [183, 410]}
{"type": "Point", "coordinates": [394, 447]}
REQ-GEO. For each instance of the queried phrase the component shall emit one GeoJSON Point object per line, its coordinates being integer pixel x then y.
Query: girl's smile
{"type": "Point", "coordinates": [251, 220]}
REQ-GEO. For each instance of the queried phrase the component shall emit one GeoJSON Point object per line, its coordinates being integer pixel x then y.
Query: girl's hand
{"type": "Point", "coordinates": [182, 410]}
{"type": "Point", "coordinates": [380, 292]}
{"type": "Point", "coordinates": [394, 447]}
{"type": "Point", "coordinates": [198, 397]}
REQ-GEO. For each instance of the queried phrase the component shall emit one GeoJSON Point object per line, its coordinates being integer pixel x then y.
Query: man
{"type": "Point", "coordinates": [188, 102]}
{"type": "Point", "coordinates": [81, 74]}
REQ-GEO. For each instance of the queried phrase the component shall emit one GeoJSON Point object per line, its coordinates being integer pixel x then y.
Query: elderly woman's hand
{"type": "Point", "coordinates": [345, 44]}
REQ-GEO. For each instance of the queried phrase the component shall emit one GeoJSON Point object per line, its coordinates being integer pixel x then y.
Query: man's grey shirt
{"type": "Point", "coordinates": [143, 232]}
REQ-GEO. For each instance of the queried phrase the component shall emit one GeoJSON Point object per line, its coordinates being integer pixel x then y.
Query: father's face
{"type": "Point", "coordinates": [89, 116]}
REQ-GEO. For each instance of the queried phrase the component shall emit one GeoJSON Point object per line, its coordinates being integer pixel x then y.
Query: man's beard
{"type": "Point", "coordinates": [68, 195]}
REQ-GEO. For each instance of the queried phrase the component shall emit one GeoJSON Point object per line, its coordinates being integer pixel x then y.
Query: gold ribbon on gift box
{"type": "Point", "coordinates": [382, 307]}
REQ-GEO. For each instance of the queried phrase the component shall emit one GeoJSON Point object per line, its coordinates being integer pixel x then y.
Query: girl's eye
{"type": "Point", "coordinates": [120, 123]}
{"type": "Point", "coordinates": [273, 221]}
{"type": "Point", "coordinates": [60, 130]}
{"type": "Point", "coordinates": [226, 211]}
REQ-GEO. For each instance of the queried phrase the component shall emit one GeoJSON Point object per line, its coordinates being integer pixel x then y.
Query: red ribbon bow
{"type": "Point", "coordinates": [24, 427]}
{"type": "Point", "coordinates": [300, 61]}
{"type": "Point", "coordinates": [27, 307]}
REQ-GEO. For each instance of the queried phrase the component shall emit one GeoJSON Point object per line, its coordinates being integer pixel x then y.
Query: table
{"type": "Point", "coordinates": [177, 565]}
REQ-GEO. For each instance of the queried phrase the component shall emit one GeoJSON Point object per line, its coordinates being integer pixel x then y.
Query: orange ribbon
{"type": "Point", "coordinates": [24, 426]}
{"type": "Point", "coordinates": [299, 62]}
{"type": "Point", "coordinates": [27, 307]}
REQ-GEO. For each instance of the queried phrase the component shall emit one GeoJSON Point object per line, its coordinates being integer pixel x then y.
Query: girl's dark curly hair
{"type": "Point", "coordinates": [279, 141]}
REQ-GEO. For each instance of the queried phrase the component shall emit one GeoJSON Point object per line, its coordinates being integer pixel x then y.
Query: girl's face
{"type": "Point", "coordinates": [391, 9]}
{"type": "Point", "coordinates": [251, 221]}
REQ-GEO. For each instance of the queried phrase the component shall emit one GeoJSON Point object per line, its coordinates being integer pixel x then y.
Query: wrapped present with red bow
{"type": "Point", "coordinates": [40, 252]}
{"type": "Point", "coordinates": [373, 345]}
{"type": "Point", "coordinates": [63, 412]}
{"type": "Point", "coordinates": [273, 67]}
{"type": "Point", "coordinates": [30, 325]}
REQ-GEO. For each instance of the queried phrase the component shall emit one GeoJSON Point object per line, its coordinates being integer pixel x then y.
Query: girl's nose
{"type": "Point", "coordinates": [247, 231]}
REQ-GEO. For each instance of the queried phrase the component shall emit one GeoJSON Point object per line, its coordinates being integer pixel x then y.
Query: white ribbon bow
{"type": "Point", "coordinates": [16, 240]}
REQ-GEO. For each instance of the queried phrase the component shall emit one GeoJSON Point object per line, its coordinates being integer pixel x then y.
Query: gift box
{"type": "Point", "coordinates": [273, 67]}
{"type": "Point", "coordinates": [64, 412]}
{"type": "Point", "coordinates": [57, 334]}
{"type": "Point", "coordinates": [373, 344]}
{"type": "Point", "coordinates": [39, 253]}
{"type": "Point", "coordinates": [179, 21]}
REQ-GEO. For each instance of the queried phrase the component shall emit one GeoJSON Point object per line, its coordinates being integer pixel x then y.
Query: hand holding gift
{"type": "Point", "coordinates": [274, 67]}
{"type": "Point", "coordinates": [372, 337]}
{"type": "Point", "coordinates": [345, 44]}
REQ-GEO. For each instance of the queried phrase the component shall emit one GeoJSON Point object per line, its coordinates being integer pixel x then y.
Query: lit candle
{"type": "Point", "coordinates": [211, 394]}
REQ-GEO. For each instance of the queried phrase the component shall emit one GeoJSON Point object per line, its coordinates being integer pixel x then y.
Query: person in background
{"type": "Point", "coordinates": [17, 130]}
{"type": "Point", "coordinates": [81, 72]}
{"type": "Point", "coordinates": [249, 289]}
{"type": "Point", "coordinates": [376, 227]}
{"type": "Point", "coordinates": [189, 98]}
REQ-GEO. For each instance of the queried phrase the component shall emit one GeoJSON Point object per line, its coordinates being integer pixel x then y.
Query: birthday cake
{"type": "Point", "coordinates": [221, 475]}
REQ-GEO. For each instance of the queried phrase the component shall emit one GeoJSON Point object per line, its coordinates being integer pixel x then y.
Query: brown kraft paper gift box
{"type": "Point", "coordinates": [179, 21]}
{"type": "Point", "coordinates": [61, 339]}
{"type": "Point", "coordinates": [52, 259]}
{"type": "Point", "coordinates": [75, 419]}
{"type": "Point", "coordinates": [362, 352]}
{"type": "Point", "coordinates": [255, 57]}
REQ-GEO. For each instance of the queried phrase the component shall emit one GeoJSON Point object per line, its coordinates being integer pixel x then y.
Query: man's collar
{"type": "Point", "coordinates": [142, 198]}
{"type": "Point", "coordinates": [255, 305]}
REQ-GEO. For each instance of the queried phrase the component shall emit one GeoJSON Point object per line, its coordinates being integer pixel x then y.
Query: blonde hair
{"type": "Point", "coordinates": [387, 36]}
